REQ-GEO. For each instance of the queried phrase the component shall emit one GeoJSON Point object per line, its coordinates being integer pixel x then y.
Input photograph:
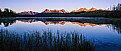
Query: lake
{"type": "Point", "coordinates": [104, 33]}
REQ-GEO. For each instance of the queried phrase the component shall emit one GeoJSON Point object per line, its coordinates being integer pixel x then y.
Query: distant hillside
{"type": "Point", "coordinates": [54, 11]}
{"type": "Point", "coordinates": [85, 9]}
{"type": "Point", "coordinates": [27, 13]}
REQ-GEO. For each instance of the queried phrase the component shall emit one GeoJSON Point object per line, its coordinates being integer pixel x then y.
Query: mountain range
{"type": "Point", "coordinates": [58, 11]}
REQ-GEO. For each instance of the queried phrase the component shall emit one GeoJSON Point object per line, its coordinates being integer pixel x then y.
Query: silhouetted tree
{"type": "Point", "coordinates": [114, 7]}
{"type": "Point", "coordinates": [7, 13]}
{"type": "Point", "coordinates": [6, 10]}
{"type": "Point", "coordinates": [0, 10]}
{"type": "Point", "coordinates": [117, 8]}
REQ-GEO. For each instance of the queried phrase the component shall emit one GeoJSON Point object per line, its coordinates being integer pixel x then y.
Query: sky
{"type": "Point", "coordinates": [68, 5]}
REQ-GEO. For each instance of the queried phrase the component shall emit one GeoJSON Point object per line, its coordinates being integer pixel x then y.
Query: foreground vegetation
{"type": "Point", "coordinates": [46, 41]}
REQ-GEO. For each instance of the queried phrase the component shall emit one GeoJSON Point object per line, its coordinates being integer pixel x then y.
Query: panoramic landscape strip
{"type": "Point", "coordinates": [60, 25]}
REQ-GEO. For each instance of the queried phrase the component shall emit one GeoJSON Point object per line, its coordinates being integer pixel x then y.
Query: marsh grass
{"type": "Point", "coordinates": [46, 41]}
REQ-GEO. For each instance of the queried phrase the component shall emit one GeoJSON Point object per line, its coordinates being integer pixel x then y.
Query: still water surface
{"type": "Point", "coordinates": [105, 32]}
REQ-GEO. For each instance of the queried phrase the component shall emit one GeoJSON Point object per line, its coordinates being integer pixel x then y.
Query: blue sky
{"type": "Point", "coordinates": [40, 5]}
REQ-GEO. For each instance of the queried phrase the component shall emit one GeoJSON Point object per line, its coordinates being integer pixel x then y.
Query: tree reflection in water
{"type": "Point", "coordinates": [7, 22]}
{"type": "Point", "coordinates": [46, 41]}
{"type": "Point", "coordinates": [116, 25]}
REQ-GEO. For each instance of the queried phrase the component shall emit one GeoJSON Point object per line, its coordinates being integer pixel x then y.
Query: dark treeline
{"type": "Point", "coordinates": [115, 11]}
{"type": "Point", "coordinates": [98, 13]}
{"type": "Point", "coordinates": [113, 14]}
{"type": "Point", "coordinates": [46, 41]}
{"type": "Point", "coordinates": [7, 13]}
{"type": "Point", "coordinates": [74, 14]}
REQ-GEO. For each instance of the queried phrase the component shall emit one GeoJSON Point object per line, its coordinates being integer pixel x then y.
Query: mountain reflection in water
{"type": "Point", "coordinates": [60, 22]}
{"type": "Point", "coordinates": [105, 32]}
{"type": "Point", "coordinates": [110, 23]}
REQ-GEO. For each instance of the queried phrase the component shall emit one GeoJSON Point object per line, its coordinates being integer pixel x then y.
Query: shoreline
{"type": "Point", "coordinates": [105, 14]}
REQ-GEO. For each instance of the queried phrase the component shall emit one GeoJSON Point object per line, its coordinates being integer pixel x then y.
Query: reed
{"type": "Point", "coordinates": [43, 41]}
